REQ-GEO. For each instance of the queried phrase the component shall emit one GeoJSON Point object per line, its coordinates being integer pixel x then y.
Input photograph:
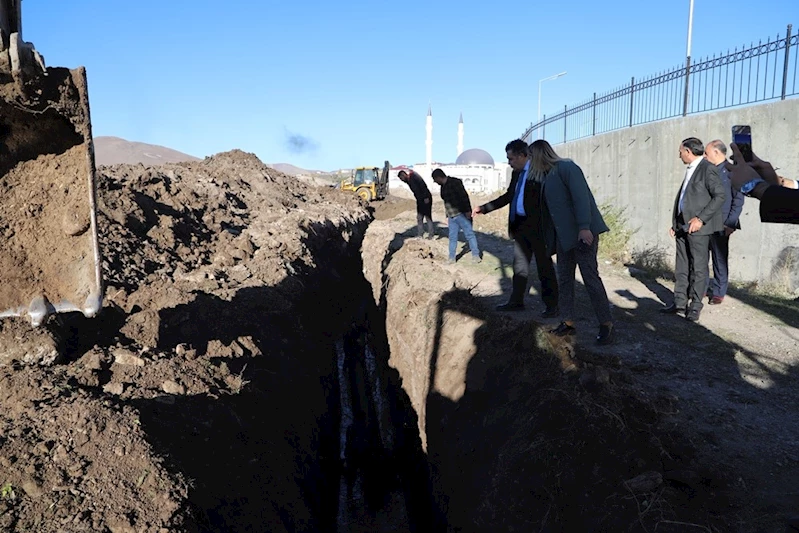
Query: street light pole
{"type": "Point", "coordinates": [688, 56]}
{"type": "Point", "coordinates": [554, 76]}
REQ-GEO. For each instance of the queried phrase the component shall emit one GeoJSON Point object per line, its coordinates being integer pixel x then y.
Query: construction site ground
{"type": "Point", "coordinates": [204, 398]}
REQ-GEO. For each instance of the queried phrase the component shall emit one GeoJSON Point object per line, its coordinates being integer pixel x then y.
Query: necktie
{"type": "Point", "coordinates": [516, 196]}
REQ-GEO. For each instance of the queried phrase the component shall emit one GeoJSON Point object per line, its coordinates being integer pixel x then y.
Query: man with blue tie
{"type": "Point", "coordinates": [528, 226]}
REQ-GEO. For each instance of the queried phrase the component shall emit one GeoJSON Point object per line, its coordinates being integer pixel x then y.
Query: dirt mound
{"type": "Point", "coordinates": [157, 420]}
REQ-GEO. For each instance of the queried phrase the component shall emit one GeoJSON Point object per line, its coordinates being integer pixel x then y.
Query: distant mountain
{"type": "Point", "coordinates": [114, 151]}
{"type": "Point", "coordinates": [291, 170]}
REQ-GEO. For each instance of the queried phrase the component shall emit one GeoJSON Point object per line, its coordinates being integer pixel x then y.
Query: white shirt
{"type": "Point", "coordinates": [689, 172]}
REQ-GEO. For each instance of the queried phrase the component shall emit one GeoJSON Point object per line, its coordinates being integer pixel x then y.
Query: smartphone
{"type": "Point", "coordinates": [742, 137]}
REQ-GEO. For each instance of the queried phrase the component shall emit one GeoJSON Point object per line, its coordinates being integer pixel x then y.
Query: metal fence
{"type": "Point", "coordinates": [760, 72]}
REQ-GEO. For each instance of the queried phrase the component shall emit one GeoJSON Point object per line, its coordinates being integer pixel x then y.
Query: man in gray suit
{"type": "Point", "coordinates": [695, 217]}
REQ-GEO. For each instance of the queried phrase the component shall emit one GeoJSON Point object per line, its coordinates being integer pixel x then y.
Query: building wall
{"type": "Point", "coordinates": [638, 168]}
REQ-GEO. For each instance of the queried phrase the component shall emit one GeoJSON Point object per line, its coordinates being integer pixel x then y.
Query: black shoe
{"type": "Point", "coordinates": [511, 306]}
{"type": "Point", "coordinates": [671, 310]}
{"type": "Point", "coordinates": [550, 312]}
{"type": "Point", "coordinates": [693, 315]}
{"type": "Point", "coordinates": [564, 329]}
{"type": "Point", "coordinates": [606, 335]}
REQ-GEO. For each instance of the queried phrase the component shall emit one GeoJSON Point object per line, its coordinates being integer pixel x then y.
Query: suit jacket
{"type": "Point", "coordinates": [703, 199]}
{"type": "Point", "coordinates": [733, 200]}
{"type": "Point", "coordinates": [780, 205]}
{"type": "Point", "coordinates": [532, 203]}
{"type": "Point", "coordinates": [571, 204]}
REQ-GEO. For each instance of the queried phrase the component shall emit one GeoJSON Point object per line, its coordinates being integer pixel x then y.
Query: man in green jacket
{"type": "Point", "coordinates": [577, 223]}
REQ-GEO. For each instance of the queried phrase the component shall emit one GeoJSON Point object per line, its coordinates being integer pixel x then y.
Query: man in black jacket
{"type": "Point", "coordinates": [424, 201]}
{"type": "Point", "coordinates": [759, 180]}
{"type": "Point", "coordinates": [459, 213]}
{"type": "Point", "coordinates": [696, 215]}
{"type": "Point", "coordinates": [528, 224]}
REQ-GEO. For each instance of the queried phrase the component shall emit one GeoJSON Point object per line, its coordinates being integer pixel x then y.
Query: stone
{"type": "Point", "coordinates": [170, 387]}
{"type": "Point", "coordinates": [114, 388]}
{"type": "Point", "coordinates": [128, 358]}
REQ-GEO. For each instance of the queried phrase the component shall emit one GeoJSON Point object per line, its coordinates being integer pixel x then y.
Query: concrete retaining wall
{"type": "Point", "coordinates": [639, 168]}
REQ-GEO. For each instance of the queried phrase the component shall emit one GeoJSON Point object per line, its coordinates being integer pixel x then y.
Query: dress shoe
{"type": "Point", "coordinates": [511, 306]}
{"type": "Point", "coordinates": [550, 312]}
{"type": "Point", "coordinates": [715, 300]}
{"type": "Point", "coordinates": [563, 330]}
{"type": "Point", "coordinates": [693, 315]}
{"type": "Point", "coordinates": [606, 335]}
{"type": "Point", "coordinates": [671, 310]}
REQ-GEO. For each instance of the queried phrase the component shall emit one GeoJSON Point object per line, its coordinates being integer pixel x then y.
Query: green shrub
{"type": "Point", "coordinates": [615, 244]}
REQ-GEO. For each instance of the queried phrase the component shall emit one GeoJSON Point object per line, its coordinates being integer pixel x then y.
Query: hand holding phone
{"type": "Point", "coordinates": [742, 137]}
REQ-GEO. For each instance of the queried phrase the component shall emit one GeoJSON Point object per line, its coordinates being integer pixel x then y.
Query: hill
{"type": "Point", "coordinates": [118, 151]}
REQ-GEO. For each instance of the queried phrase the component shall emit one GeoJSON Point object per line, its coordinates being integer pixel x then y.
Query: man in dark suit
{"type": "Point", "coordinates": [759, 180]}
{"type": "Point", "coordinates": [528, 227]}
{"type": "Point", "coordinates": [696, 215]}
{"type": "Point", "coordinates": [716, 153]}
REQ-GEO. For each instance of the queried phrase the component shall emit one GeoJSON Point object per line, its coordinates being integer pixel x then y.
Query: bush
{"type": "Point", "coordinates": [615, 244]}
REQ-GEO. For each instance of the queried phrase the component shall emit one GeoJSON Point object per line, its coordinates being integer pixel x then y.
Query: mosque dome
{"type": "Point", "coordinates": [475, 156]}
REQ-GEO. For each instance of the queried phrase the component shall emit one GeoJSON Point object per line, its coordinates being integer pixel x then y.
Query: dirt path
{"type": "Point", "coordinates": [727, 382]}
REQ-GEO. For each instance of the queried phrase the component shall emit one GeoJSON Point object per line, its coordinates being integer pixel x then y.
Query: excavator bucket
{"type": "Point", "coordinates": [49, 259]}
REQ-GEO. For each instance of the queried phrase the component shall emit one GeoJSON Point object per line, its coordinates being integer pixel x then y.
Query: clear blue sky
{"type": "Point", "coordinates": [353, 77]}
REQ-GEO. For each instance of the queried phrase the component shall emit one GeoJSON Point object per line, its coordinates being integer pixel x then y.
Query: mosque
{"type": "Point", "coordinates": [478, 170]}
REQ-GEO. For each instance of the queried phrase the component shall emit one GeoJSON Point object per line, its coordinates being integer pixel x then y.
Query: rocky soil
{"type": "Point", "coordinates": [195, 402]}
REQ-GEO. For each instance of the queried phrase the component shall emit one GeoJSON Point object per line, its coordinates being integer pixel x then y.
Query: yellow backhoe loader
{"type": "Point", "coordinates": [368, 183]}
{"type": "Point", "coordinates": [50, 258]}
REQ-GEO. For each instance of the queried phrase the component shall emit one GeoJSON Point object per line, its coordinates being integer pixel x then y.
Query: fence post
{"type": "Point", "coordinates": [564, 123]}
{"type": "Point", "coordinates": [593, 118]}
{"type": "Point", "coordinates": [687, 80]}
{"type": "Point", "coordinates": [785, 67]}
{"type": "Point", "coordinates": [632, 94]}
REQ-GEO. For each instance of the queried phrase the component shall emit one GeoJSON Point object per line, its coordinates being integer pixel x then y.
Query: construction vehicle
{"type": "Point", "coordinates": [368, 183]}
{"type": "Point", "coordinates": [50, 259]}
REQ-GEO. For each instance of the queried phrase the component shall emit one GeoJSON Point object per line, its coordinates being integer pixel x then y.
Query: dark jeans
{"type": "Point", "coordinates": [526, 244]}
{"type": "Point", "coordinates": [691, 270]}
{"type": "Point", "coordinates": [584, 256]}
{"type": "Point", "coordinates": [719, 251]}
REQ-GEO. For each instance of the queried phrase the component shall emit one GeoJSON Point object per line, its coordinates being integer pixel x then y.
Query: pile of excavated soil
{"type": "Point", "coordinates": [45, 170]}
{"type": "Point", "coordinates": [196, 400]}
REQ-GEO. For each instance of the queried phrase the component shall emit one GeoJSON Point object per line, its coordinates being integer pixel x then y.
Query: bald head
{"type": "Point", "coordinates": [716, 152]}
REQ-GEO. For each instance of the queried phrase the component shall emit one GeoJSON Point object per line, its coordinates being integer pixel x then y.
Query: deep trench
{"type": "Point", "coordinates": [322, 438]}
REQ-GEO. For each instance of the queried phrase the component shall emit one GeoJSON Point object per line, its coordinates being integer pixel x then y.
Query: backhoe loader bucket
{"type": "Point", "coordinates": [49, 256]}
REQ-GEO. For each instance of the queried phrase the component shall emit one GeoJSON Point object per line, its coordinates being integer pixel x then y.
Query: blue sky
{"type": "Point", "coordinates": [326, 85]}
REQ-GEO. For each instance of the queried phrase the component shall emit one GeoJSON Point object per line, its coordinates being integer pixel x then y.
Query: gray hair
{"type": "Point", "coordinates": [718, 145]}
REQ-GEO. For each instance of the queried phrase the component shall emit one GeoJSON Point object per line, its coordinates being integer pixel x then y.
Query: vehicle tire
{"type": "Point", "coordinates": [366, 194]}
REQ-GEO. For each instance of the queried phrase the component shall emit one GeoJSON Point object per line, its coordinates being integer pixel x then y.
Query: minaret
{"type": "Point", "coordinates": [429, 142]}
{"type": "Point", "coordinates": [460, 135]}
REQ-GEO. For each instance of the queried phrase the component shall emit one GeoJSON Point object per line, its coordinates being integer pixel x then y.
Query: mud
{"type": "Point", "coordinates": [46, 181]}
